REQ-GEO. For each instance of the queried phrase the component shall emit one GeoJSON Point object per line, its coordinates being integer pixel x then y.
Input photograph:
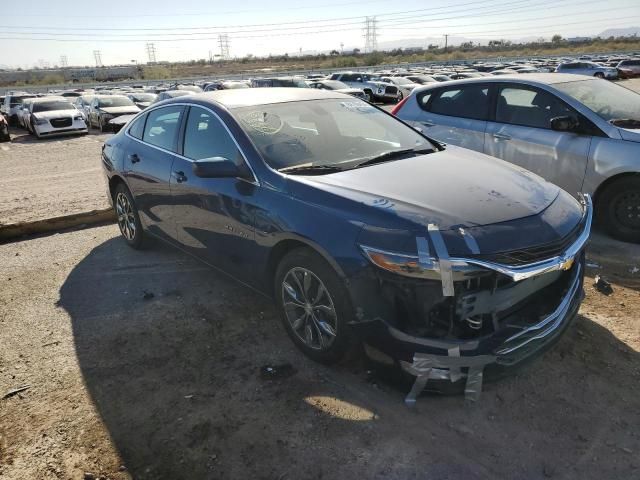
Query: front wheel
{"type": "Point", "coordinates": [128, 218]}
{"type": "Point", "coordinates": [619, 209]}
{"type": "Point", "coordinates": [400, 96]}
{"type": "Point", "coordinates": [314, 306]}
{"type": "Point", "coordinates": [599, 75]}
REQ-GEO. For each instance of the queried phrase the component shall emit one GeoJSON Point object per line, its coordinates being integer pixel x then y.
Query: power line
{"type": "Point", "coordinates": [306, 23]}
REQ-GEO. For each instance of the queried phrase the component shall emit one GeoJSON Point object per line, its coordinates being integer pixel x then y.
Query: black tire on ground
{"type": "Point", "coordinates": [4, 134]}
{"type": "Point", "coordinates": [13, 121]}
{"type": "Point", "coordinates": [599, 75]}
{"type": "Point", "coordinates": [343, 345]}
{"type": "Point", "coordinates": [128, 219]}
{"type": "Point", "coordinates": [369, 95]}
{"type": "Point", "coordinates": [400, 96]}
{"type": "Point", "coordinates": [618, 209]}
{"type": "Point", "coordinates": [101, 126]}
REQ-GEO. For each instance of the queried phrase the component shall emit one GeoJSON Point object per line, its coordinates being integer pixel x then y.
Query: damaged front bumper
{"type": "Point", "coordinates": [524, 313]}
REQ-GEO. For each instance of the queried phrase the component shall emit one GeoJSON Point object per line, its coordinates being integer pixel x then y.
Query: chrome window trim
{"type": "Point", "coordinates": [182, 157]}
{"type": "Point", "coordinates": [516, 273]}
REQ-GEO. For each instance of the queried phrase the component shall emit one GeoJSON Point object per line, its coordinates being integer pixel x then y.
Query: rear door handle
{"type": "Point", "coordinates": [134, 158]}
{"type": "Point", "coordinates": [501, 136]}
{"type": "Point", "coordinates": [179, 176]}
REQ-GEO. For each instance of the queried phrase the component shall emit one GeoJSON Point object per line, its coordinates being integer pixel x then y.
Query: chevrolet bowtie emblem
{"type": "Point", "coordinates": [566, 263]}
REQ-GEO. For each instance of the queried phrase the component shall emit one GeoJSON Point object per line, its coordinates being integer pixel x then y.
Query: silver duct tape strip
{"type": "Point", "coordinates": [441, 367]}
{"type": "Point", "coordinates": [472, 245]}
{"type": "Point", "coordinates": [424, 257]}
{"type": "Point", "coordinates": [455, 372]}
{"type": "Point", "coordinates": [473, 387]}
{"type": "Point", "coordinates": [442, 253]}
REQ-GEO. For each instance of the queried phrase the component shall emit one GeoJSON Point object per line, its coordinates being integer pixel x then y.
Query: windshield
{"type": "Point", "coordinates": [114, 102]}
{"type": "Point", "coordinates": [400, 81]}
{"type": "Point", "coordinates": [143, 97]}
{"type": "Point", "coordinates": [608, 100]}
{"type": "Point", "coordinates": [52, 106]}
{"type": "Point", "coordinates": [324, 132]}
{"type": "Point", "coordinates": [15, 101]}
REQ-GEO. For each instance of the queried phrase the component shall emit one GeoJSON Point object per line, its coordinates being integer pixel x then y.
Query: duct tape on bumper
{"type": "Point", "coordinates": [441, 367]}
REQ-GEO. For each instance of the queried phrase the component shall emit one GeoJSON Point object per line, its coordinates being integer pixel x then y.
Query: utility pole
{"type": "Point", "coordinates": [223, 42]}
{"type": "Point", "coordinates": [97, 55]}
{"type": "Point", "coordinates": [151, 52]}
{"type": "Point", "coordinates": [63, 61]}
{"type": "Point", "coordinates": [446, 41]}
{"type": "Point", "coordinates": [370, 34]}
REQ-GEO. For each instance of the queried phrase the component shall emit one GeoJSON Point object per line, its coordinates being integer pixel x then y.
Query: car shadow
{"type": "Point", "coordinates": [171, 353]}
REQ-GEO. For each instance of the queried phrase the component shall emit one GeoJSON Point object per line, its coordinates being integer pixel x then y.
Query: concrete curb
{"type": "Point", "coordinates": [51, 225]}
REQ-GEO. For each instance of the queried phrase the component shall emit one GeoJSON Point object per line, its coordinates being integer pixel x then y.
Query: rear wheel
{"type": "Point", "coordinates": [128, 218]}
{"type": "Point", "coordinates": [619, 209]}
{"type": "Point", "coordinates": [314, 306]}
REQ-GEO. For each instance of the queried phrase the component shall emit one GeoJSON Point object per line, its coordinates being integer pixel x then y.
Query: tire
{"type": "Point", "coordinates": [13, 120]}
{"type": "Point", "coordinates": [324, 337]}
{"type": "Point", "coordinates": [100, 125]}
{"type": "Point", "coordinates": [598, 75]}
{"type": "Point", "coordinates": [400, 96]}
{"type": "Point", "coordinates": [127, 217]}
{"type": "Point", "coordinates": [369, 95]}
{"type": "Point", "coordinates": [618, 209]}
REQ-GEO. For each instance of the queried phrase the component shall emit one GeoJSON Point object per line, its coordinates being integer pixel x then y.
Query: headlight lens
{"type": "Point", "coordinates": [412, 266]}
{"type": "Point", "coordinates": [41, 121]}
{"type": "Point", "coordinates": [78, 117]}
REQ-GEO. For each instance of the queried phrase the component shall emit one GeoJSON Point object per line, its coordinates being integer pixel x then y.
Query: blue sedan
{"type": "Point", "coordinates": [440, 260]}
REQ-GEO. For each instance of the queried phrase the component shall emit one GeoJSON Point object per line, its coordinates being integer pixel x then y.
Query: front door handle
{"type": "Point", "coordinates": [501, 136]}
{"type": "Point", "coordinates": [134, 158]}
{"type": "Point", "coordinates": [179, 176]}
{"type": "Point", "coordinates": [428, 124]}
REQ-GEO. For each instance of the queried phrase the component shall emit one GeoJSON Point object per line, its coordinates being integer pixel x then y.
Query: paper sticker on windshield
{"type": "Point", "coordinates": [358, 107]}
{"type": "Point", "coordinates": [263, 122]}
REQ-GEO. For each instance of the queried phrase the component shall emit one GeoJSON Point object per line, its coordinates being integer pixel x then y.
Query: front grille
{"type": "Point", "coordinates": [533, 254]}
{"type": "Point", "coordinates": [391, 90]}
{"type": "Point", "coordinates": [61, 122]}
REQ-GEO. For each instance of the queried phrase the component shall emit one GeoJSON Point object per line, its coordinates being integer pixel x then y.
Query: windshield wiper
{"type": "Point", "coordinates": [625, 122]}
{"type": "Point", "coordinates": [390, 155]}
{"type": "Point", "coordinates": [312, 169]}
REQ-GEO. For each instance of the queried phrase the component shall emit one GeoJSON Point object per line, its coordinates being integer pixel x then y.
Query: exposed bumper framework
{"type": "Point", "coordinates": [547, 297]}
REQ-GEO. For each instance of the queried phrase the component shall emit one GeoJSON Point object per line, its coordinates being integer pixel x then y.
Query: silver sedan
{"type": "Point", "coordinates": [582, 134]}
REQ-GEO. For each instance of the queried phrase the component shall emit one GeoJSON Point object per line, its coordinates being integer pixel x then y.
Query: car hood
{"type": "Point", "coordinates": [120, 110]}
{"type": "Point", "coordinates": [122, 119]}
{"type": "Point", "coordinates": [56, 114]}
{"type": "Point", "coordinates": [503, 206]}
{"type": "Point", "coordinates": [453, 188]}
{"type": "Point", "coordinates": [350, 91]}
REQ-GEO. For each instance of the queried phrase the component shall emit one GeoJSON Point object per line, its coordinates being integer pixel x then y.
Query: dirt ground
{"type": "Point", "coordinates": [147, 365]}
{"type": "Point", "coordinates": [51, 177]}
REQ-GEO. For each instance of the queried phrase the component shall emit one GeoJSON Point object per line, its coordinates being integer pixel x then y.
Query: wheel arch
{"type": "Point", "coordinates": [604, 185]}
{"type": "Point", "coordinates": [286, 245]}
{"type": "Point", "coordinates": [114, 181]}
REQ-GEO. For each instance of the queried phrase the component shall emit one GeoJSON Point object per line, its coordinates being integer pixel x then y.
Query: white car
{"type": "Point", "coordinates": [55, 116]}
{"type": "Point", "coordinates": [405, 86]}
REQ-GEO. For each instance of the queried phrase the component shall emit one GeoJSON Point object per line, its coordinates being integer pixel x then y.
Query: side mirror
{"type": "Point", "coordinates": [564, 124]}
{"type": "Point", "coordinates": [216, 167]}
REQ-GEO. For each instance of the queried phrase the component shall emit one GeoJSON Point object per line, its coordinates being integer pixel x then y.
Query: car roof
{"type": "Point", "coordinates": [50, 99]}
{"type": "Point", "coordinates": [247, 97]}
{"type": "Point", "coordinates": [527, 78]}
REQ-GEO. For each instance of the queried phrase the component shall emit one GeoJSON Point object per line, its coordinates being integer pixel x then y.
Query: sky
{"type": "Point", "coordinates": [39, 32]}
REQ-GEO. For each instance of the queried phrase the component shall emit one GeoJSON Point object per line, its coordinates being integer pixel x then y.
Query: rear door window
{"type": "Point", "coordinates": [136, 129]}
{"type": "Point", "coordinates": [161, 129]}
{"type": "Point", "coordinates": [471, 101]}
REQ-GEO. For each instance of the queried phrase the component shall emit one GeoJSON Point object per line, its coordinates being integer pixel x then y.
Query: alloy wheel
{"type": "Point", "coordinates": [126, 218]}
{"type": "Point", "coordinates": [309, 308]}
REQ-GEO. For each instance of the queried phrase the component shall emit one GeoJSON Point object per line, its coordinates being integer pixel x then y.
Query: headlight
{"type": "Point", "coordinates": [41, 121]}
{"type": "Point", "coordinates": [380, 89]}
{"type": "Point", "coordinates": [78, 117]}
{"type": "Point", "coordinates": [415, 267]}
{"type": "Point", "coordinates": [107, 116]}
